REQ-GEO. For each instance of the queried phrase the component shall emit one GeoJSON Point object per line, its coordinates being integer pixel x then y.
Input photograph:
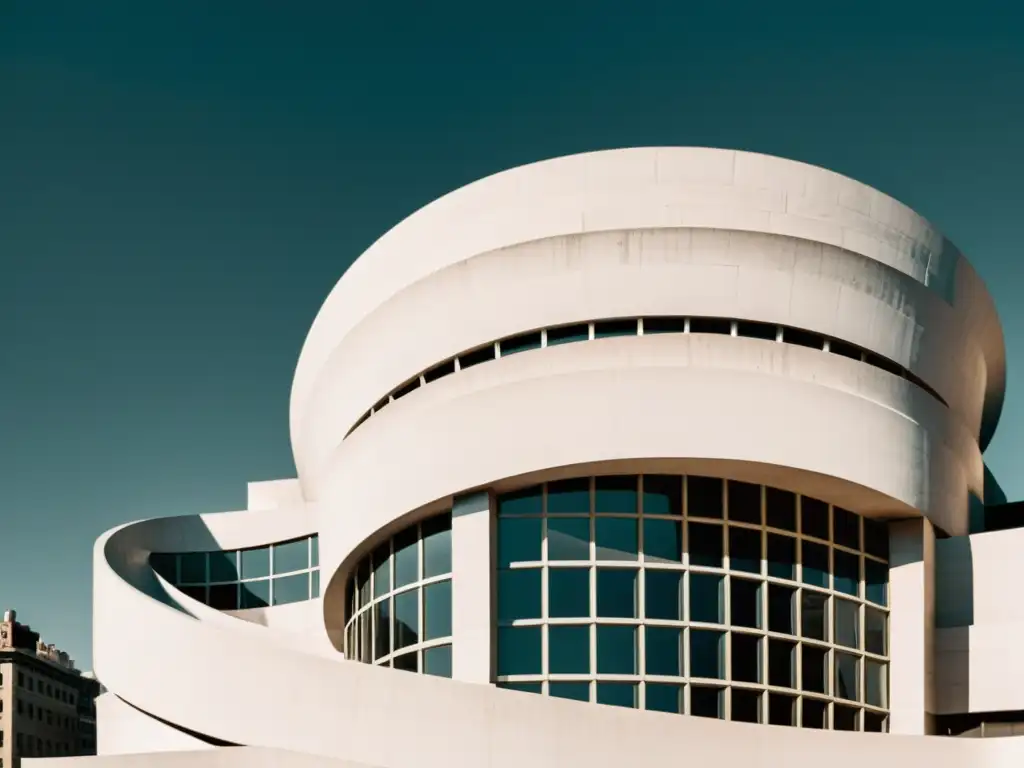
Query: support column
{"type": "Point", "coordinates": [473, 602]}
{"type": "Point", "coordinates": [911, 626]}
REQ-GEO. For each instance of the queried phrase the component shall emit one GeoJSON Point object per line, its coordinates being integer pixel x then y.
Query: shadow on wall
{"type": "Point", "coordinates": [954, 615]}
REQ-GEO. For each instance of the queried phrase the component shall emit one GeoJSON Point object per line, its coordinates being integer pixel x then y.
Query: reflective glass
{"type": "Point", "coordinates": [569, 592]}
{"type": "Point", "coordinates": [814, 668]}
{"type": "Point", "coordinates": [529, 501]}
{"type": "Point", "coordinates": [781, 709]}
{"type": "Point", "coordinates": [663, 651]}
{"type": "Point", "coordinates": [519, 594]}
{"type": "Point", "coordinates": [705, 545]}
{"type": "Point", "coordinates": [437, 661]}
{"type": "Point", "coordinates": [291, 589]}
{"type": "Point", "coordinates": [524, 687]}
{"type": "Point", "coordinates": [314, 582]}
{"type": "Point", "coordinates": [663, 697]}
{"type": "Point", "coordinates": [617, 694]}
{"type": "Point", "coordinates": [314, 550]}
{"type": "Point", "coordinates": [847, 676]}
{"type": "Point", "coordinates": [847, 620]}
{"type": "Point", "coordinates": [519, 540]}
{"type": "Point", "coordinates": [780, 509]}
{"type": "Point", "coordinates": [291, 556]}
{"type": "Point", "coordinates": [815, 564]}
{"type": "Point", "coordinates": [706, 598]}
{"type": "Point", "coordinates": [256, 594]}
{"type": "Point", "coordinates": [845, 528]}
{"type": "Point", "coordinates": [520, 343]}
{"type": "Point", "coordinates": [875, 722]}
{"type": "Point", "coordinates": [382, 570]}
{"type": "Point", "coordinates": [166, 565]}
{"type": "Point", "coordinates": [706, 702]}
{"type": "Point", "coordinates": [707, 653]}
{"type": "Point", "coordinates": [847, 572]}
{"type": "Point", "coordinates": [663, 541]}
{"type": "Point", "coordinates": [663, 495]}
{"type": "Point", "coordinates": [781, 609]}
{"type": "Point", "coordinates": [746, 706]}
{"type": "Point", "coordinates": [704, 496]}
{"type": "Point", "coordinates": [813, 617]}
{"type": "Point", "coordinates": [874, 631]}
{"type": "Point", "coordinates": [567, 334]}
{"type": "Point", "coordinates": [616, 650]}
{"type": "Point", "coordinates": [814, 518]}
{"type": "Point", "coordinates": [407, 662]}
{"type": "Point", "coordinates": [223, 566]}
{"type": "Point", "coordinates": [381, 628]}
{"type": "Point", "coordinates": [571, 691]}
{"type": "Point", "coordinates": [617, 593]}
{"type": "Point", "coordinates": [568, 538]}
{"type": "Point", "coordinates": [781, 556]}
{"type": "Point", "coordinates": [815, 713]}
{"type": "Point", "coordinates": [844, 718]}
{"type": "Point", "coordinates": [568, 650]}
{"type": "Point", "coordinates": [196, 592]}
{"type": "Point", "coordinates": [781, 663]}
{"type": "Point", "coordinates": [437, 610]}
{"type": "Point", "coordinates": [746, 657]}
{"type": "Point", "coordinates": [192, 568]}
{"type": "Point", "coordinates": [437, 546]}
{"type": "Point", "coordinates": [224, 597]}
{"type": "Point", "coordinates": [876, 538]}
{"type": "Point", "coordinates": [407, 557]}
{"type": "Point", "coordinates": [255, 563]}
{"type": "Point", "coordinates": [616, 495]}
{"type": "Point", "coordinates": [876, 588]}
{"type": "Point", "coordinates": [406, 625]}
{"type": "Point", "coordinates": [663, 594]}
{"type": "Point", "coordinates": [744, 550]}
{"type": "Point", "coordinates": [875, 683]}
{"type": "Point", "coordinates": [519, 651]}
{"type": "Point", "coordinates": [745, 602]}
{"type": "Point", "coordinates": [744, 502]}
{"type": "Point", "coordinates": [616, 538]}
{"type": "Point", "coordinates": [569, 497]}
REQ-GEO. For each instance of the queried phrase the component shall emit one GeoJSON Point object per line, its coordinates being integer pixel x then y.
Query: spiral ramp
{"type": "Point", "coordinates": [622, 234]}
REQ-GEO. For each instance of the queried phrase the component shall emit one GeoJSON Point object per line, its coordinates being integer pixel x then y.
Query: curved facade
{"type": "Point", "coordinates": [599, 459]}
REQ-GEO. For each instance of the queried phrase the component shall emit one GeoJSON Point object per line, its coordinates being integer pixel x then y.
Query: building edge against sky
{"type": "Point", "coordinates": [671, 431]}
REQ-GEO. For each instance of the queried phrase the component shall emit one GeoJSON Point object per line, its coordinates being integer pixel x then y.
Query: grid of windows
{"type": "Point", "coordinates": [399, 601]}
{"type": "Point", "coordinates": [695, 595]}
{"type": "Point", "coordinates": [599, 329]}
{"type": "Point", "coordinates": [276, 574]}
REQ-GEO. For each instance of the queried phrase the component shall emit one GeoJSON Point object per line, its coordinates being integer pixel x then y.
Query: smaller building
{"type": "Point", "coordinates": [47, 706]}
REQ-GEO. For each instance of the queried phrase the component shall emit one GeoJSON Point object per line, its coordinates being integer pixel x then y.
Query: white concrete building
{"type": "Point", "coordinates": [658, 454]}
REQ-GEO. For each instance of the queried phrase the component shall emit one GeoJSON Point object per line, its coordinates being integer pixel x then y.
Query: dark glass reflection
{"type": "Point", "coordinates": [744, 550]}
{"type": "Point", "coordinates": [707, 653]}
{"type": "Point", "coordinates": [568, 650]}
{"type": "Point", "coordinates": [814, 518]}
{"type": "Point", "coordinates": [291, 556]}
{"type": "Point", "coordinates": [616, 494]}
{"type": "Point", "coordinates": [744, 502]}
{"type": "Point", "coordinates": [663, 495]}
{"type": "Point", "coordinates": [617, 694]}
{"type": "Point", "coordinates": [705, 545]}
{"type": "Point", "coordinates": [382, 570]}
{"type": "Point", "coordinates": [519, 540]}
{"type": "Point", "coordinates": [876, 538]}
{"type": "Point", "coordinates": [407, 662]}
{"type": "Point", "coordinates": [519, 651]}
{"type": "Point", "coordinates": [569, 497]}
{"type": "Point", "coordinates": [519, 594]}
{"type": "Point", "coordinates": [780, 509]}
{"type": "Point", "coordinates": [616, 538]}
{"type": "Point", "coordinates": [224, 597]}
{"type": "Point", "coordinates": [847, 623]}
{"type": "Point", "coordinates": [528, 501]}
{"type": "Point", "coordinates": [847, 676]}
{"type": "Point", "coordinates": [606, 328]}
{"type": "Point", "coordinates": [706, 702]}
{"type": "Point", "coordinates": [437, 546]}
{"type": "Point", "coordinates": [381, 629]}
{"type": "Point", "coordinates": [706, 599]}
{"type": "Point", "coordinates": [813, 617]}
{"type": "Point", "coordinates": [815, 713]}
{"type": "Point", "coordinates": [520, 343]}
{"type": "Point", "coordinates": [663, 651]}
{"type": "Point", "coordinates": [192, 567]}
{"type": "Point", "coordinates": [874, 722]}
{"type": "Point", "coordinates": [745, 602]}
{"type": "Point", "coordinates": [291, 589]}
{"type": "Point", "coordinates": [567, 334]}
{"type": "Point", "coordinates": [663, 697]}
{"type": "Point", "coordinates": [815, 564]}
{"type": "Point", "coordinates": [746, 658]}
{"type": "Point", "coordinates": [845, 528]}
{"type": "Point", "coordinates": [847, 572]}
{"type": "Point", "coordinates": [746, 706]}
{"type": "Point", "coordinates": [568, 538]}
{"type": "Point", "coordinates": [223, 566]}
{"type": "Point", "coordinates": [616, 650]}
{"type": "Point", "coordinates": [569, 593]}
{"type": "Point", "coordinates": [814, 668]}
{"type": "Point", "coordinates": [663, 541]}
{"type": "Point", "coordinates": [617, 593]}
{"type": "Point", "coordinates": [407, 557]}
{"type": "Point", "coordinates": [781, 709]}
{"type": "Point", "coordinates": [255, 594]}
{"type": "Point", "coordinates": [406, 625]}
{"type": "Point", "coordinates": [571, 691]}
{"type": "Point", "coordinates": [874, 631]}
{"type": "Point", "coordinates": [437, 610]}
{"type": "Point", "coordinates": [781, 556]}
{"type": "Point", "coordinates": [437, 661]}
{"type": "Point", "coordinates": [781, 609]}
{"type": "Point", "coordinates": [781, 663]}
{"type": "Point", "coordinates": [704, 496]}
{"type": "Point", "coordinates": [844, 718]}
{"type": "Point", "coordinates": [876, 578]}
{"type": "Point", "coordinates": [663, 594]}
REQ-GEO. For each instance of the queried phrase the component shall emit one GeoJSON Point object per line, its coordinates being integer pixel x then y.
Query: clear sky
{"type": "Point", "coordinates": [182, 182]}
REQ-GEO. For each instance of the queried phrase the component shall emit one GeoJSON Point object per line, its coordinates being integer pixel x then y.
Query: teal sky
{"type": "Point", "coordinates": [182, 182]}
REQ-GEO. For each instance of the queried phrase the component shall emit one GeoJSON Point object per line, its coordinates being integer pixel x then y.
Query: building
{"type": "Point", "coordinates": [631, 456]}
{"type": "Point", "coordinates": [47, 707]}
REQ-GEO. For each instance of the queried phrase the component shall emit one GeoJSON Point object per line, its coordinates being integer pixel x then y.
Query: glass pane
{"type": "Point", "coordinates": [706, 598]}
{"type": "Point", "coordinates": [844, 718]}
{"type": "Point", "coordinates": [569, 593]}
{"type": "Point", "coordinates": [847, 677]}
{"type": "Point", "coordinates": [781, 709]}
{"type": "Point", "coordinates": [568, 538]}
{"type": "Point", "coordinates": [223, 566]}
{"type": "Point", "coordinates": [407, 662]}
{"type": "Point", "coordinates": [314, 582]}
{"type": "Point", "coordinates": [707, 654]}
{"type": "Point", "coordinates": [524, 687]}
{"type": "Point", "coordinates": [845, 528]}
{"type": "Point", "coordinates": [746, 706]}
{"type": "Point", "coordinates": [166, 565]}
{"type": "Point", "coordinates": [847, 574]}
{"type": "Point", "coordinates": [382, 570]}
{"type": "Point", "coordinates": [663, 651]}
{"type": "Point", "coordinates": [519, 651]}
{"type": "Point", "coordinates": [617, 593]}
{"type": "Point", "coordinates": [781, 609]}
{"type": "Point", "coordinates": [847, 618]}
{"type": "Point", "coordinates": [780, 509]}
{"type": "Point", "coordinates": [781, 556]}
{"type": "Point", "coordinates": [616, 538]}
{"type": "Point", "coordinates": [814, 517]}
{"type": "Point", "coordinates": [519, 594]}
{"type": "Point", "coordinates": [744, 550]}
{"type": "Point", "coordinates": [363, 582]}
{"type": "Point", "coordinates": [875, 631]}
{"type": "Point", "coordinates": [407, 624]}
{"type": "Point", "coordinates": [291, 556]}
{"type": "Point", "coordinates": [744, 502]}
{"type": "Point", "coordinates": [314, 550]}
{"type": "Point", "coordinates": [571, 691]}
{"type": "Point", "coordinates": [781, 663]}
{"type": "Point", "coordinates": [812, 608]}
{"type": "Point", "coordinates": [616, 650]}
{"type": "Point", "coordinates": [407, 557]}
{"type": "Point", "coordinates": [567, 334]}
{"type": "Point", "coordinates": [706, 702]}
{"type": "Point", "coordinates": [291, 589]}
{"type": "Point", "coordinates": [255, 563]}
{"type": "Point", "coordinates": [663, 594]}
{"type": "Point", "coordinates": [437, 546]}
{"type": "Point", "coordinates": [193, 568]}
{"type": "Point", "coordinates": [196, 592]}
{"type": "Point", "coordinates": [663, 495]}
{"type": "Point", "coordinates": [745, 602]}
{"type": "Point", "coordinates": [876, 538]}
{"type": "Point", "coordinates": [519, 540]}
{"type": "Point", "coordinates": [569, 497]}
{"type": "Point", "coordinates": [704, 497]}
{"type": "Point", "coordinates": [746, 658]}
{"type": "Point", "coordinates": [663, 541]}
{"type": "Point", "coordinates": [529, 501]}
{"type": "Point", "coordinates": [705, 545]}
{"type": "Point", "coordinates": [815, 713]}
{"type": "Point", "coordinates": [568, 650]}
{"type": "Point", "coordinates": [438, 661]}
{"type": "Point", "coordinates": [381, 629]}
{"type": "Point", "coordinates": [876, 588]}
{"type": "Point", "coordinates": [605, 328]}
{"type": "Point", "coordinates": [815, 564]}
{"type": "Point", "coordinates": [662, 697]}
{"type": "Point", "coordinates": [437, 610]}
{"type": "Point", "coordinates": [520, 343]}
{"type": "Point", "coordinates": [875, 683]}
{"type": "Point", "coordinates": [814, 668]}
{"type": "Point", "coordinates": [256, 594]}
{"type": "Point", "coordinates": [616, 494]}
{"type": "Point", "coordinates": [874, 722]}
{"type": "Point", "coordinates": [224, 597]}
{"type": "Point", "coordinates": [617, 694]}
